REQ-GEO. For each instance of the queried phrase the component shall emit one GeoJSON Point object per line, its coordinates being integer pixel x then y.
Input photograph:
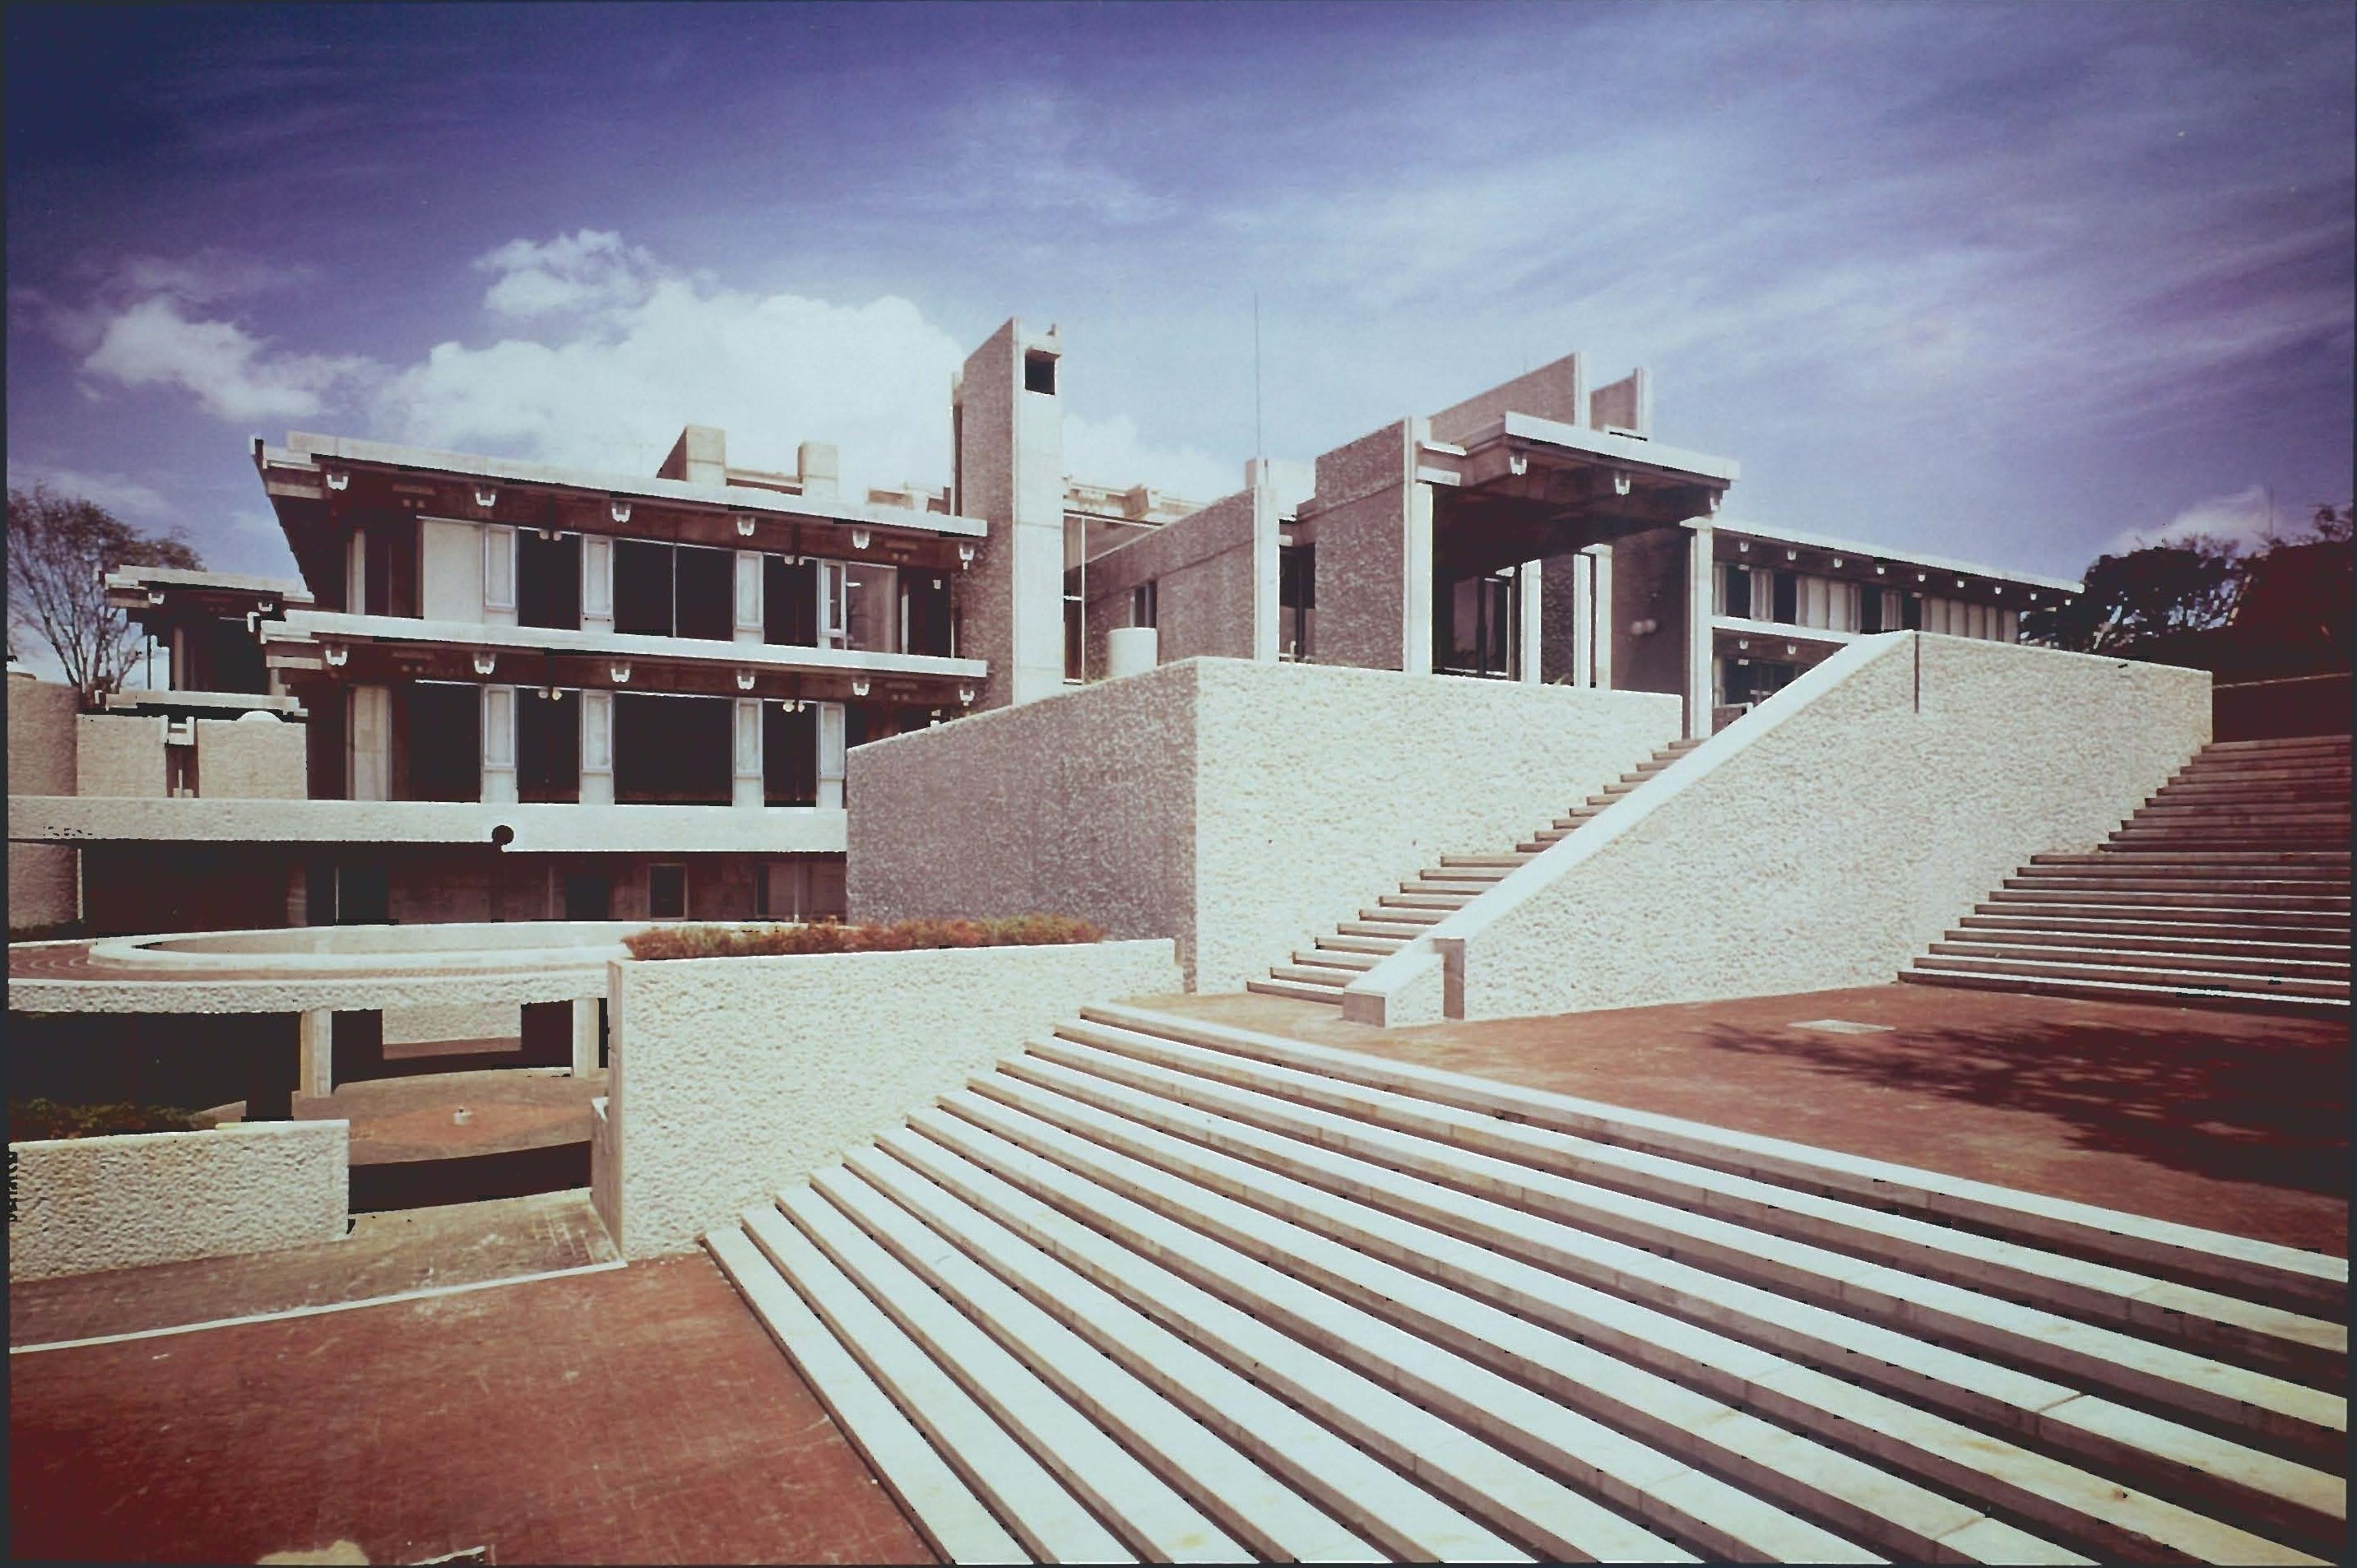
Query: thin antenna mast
{"type": "Point", "coordinates": [1259, 449]}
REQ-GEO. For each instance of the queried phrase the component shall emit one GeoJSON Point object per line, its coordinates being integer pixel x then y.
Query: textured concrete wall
{"type": "Point", "coordinates": [1080, 805]}
{"type": "Point", "coordinates": [41, 737]}
{"type": "Point", "coordinates": [85, 1204]}
{"type": "Point", "coordinates": [1362, 513]}
{"type": "Point", "coordinates": [454, 1021]}
{"type": "Point", "coordinates": [1203, 567]}
{"type": "Point", "coordinates": [732, 1077]}
{"type": "Point", "coordinates": [119, 755]}
{"type": "Point", "coordinates": [1240, 807]}
{"type": "Point", "coordinates": [1830, 834]}
{"type": "Point", "coordinates": [238, 760]}
{"type": "Point", "coordinates": [44, 888]}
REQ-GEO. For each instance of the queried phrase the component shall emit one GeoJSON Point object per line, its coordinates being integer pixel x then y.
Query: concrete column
{"type": "Point", "coordinates": [748, 626]}
{"type": "Point", "coordinates": [597, 583]}
{"type": "Point", "coordinates": [1601, 618]}
{"type": "Point", "coordinates": [830, 755]}
{"type": "Point", "coordinates": [1265, 538]}
{"type": "Point", "coordinates": [316, 1074]}
{"type": "Point", "coordinates": [745, 779]}
{"type": "Point", "coordinates": [356, 573]}
{"type": "Point", "coordinates": [597, 748]}
{"type": "Point", "coordinates": [584, 1036]}
{"type": "Point", "coordinates": [499, 709]}
{"type": "Point", "coordinates": [368, 741]}
{"type": "Point", "coordinates": [1415, 560]}
{"type": "Point", "coordinates": [1008, 422]}
{"type": "Point", "coordinates": [1583, 619]}
{"type": "Point", "coordinates": [1698, 638]}
{"type": "Point", "coordinates": [1529, 586]}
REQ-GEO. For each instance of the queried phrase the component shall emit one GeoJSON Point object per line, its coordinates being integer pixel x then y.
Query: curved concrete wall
{"type": "Point", "coordinates": [1239, 808]}
{"type": "Point", "coordinates": [78, 1205]}
{"type": "Point", "coordinates": [1821, 839]}
{"type": "Point", "coordinates": [731, 1076]}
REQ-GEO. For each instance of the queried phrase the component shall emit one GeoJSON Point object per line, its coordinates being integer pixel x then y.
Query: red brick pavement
{"type": "Point", "coordinates": [641, 1415]}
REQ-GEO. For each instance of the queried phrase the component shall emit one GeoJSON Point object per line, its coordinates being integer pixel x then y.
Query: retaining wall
{"type": "Point", "coordinates": [78, 1205]}
{"type": "Point", "coordinates": [730, 1076]}
{"type": "Point", "coordinates": [1820, 841]}
{"type": "Point", "coordinates": [1239, 808]}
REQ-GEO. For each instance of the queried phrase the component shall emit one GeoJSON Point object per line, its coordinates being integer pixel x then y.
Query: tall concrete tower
{"type": "Point", "coordinates": [1007, 423]}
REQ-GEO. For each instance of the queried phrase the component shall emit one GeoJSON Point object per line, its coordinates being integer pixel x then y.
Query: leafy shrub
{"type": "Point", "coordinates": [756, 942]}
{"type": "Point", "coordinates": [34, 1119]}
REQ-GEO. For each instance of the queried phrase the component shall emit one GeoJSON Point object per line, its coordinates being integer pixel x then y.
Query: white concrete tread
{"type": "Point", "coordinates": [953, 1521]}
{"type": "Point", "coordinates": [1198, 1289]}
{"type": "Point", "coordinates": [2248, 843]}
{"type": "Point", "coordinates": [1439, 890]}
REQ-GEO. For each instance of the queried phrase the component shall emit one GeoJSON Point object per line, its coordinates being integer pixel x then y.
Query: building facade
{"type": "Point", "coordinates": [511, 691]}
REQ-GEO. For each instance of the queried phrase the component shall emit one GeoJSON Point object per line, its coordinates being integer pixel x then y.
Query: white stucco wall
{"type": "Point", "coordinates": [241, 759]}
{"type": "Point", "coordinates": [731, 1076]}
{"type": "Point", "coordinates": [85, 1204]}
{"type": "Point", "coordinates": [1239, 808]}
{"type": "Point", "coordinates": [1832, 833]}
{"type": "Point", "coordinates": [454, 1021]}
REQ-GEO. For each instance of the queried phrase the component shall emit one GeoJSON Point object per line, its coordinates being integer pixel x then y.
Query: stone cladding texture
{"type": "Point", "coordinates": [1836, 830]}
{"type": "Point", "coordinates": [732, 1077]}
{"type": "Point", "coordinates": [1240, 807]}
{"type": "Point", "coordinates": [238, 760]}
{"type": "Point", "coordinates": [83, 1203]}
{"type": "Point", "coordinates": [119, 755]}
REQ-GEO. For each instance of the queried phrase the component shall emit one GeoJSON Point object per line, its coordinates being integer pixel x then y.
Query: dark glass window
{"type": "Point", "coordinates": [548, 746]}
{"type": "Point", "coordinates": [588, 895]}
{"type": "Point", "coordinates": [548, 580]}
{"type": "Point", "coordinates": [1039, 372]}
{"type": "Point", "coordinates": [667, 892]}
{"type": "Point", "coordinates": [789, 755]}
{"type": "Point", "coordinates": [1788, 598]}
{"type": "Point", "coordinates": [1146, 605]}
{"type": "Point", "coordinates": [439, 734]}
{"type": "Point", "coordinates": [363, 896]}
{"type": "Point", "coordinates": [788, 602]}
{"type": "Point", "coordinates": [1474, 624]}
{"type": "Point", "coordinates": [642, 587]}
{"type": "Point", "coordinates": [1296, 599]}
{"type": "Point", "coordinates": [928, 612]}
{"type": "Point", "coordinates": [705, 583]}
{"type": "Point", "coordinates": [672, 750]}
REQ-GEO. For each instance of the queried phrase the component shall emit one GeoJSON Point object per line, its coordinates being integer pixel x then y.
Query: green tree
{"type": "Point", "coordinates": [2133, 598]}
{"type": "Point", "coordinates": [60, 548]}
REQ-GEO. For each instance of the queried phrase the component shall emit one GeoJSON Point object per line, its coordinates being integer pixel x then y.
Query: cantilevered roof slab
{"type": "Point", "coordinates": [1521, 487]}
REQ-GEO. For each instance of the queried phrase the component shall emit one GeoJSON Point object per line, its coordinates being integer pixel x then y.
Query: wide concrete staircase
{"type": "Point", "coordinates": [2229, 887]}
{"type": "Point", "coordinates": [1162, 1289]}
{"type": "Point", "coordinates": [1319, 972]}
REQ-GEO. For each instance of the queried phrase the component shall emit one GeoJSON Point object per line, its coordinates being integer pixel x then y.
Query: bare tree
{"type": "Point", "coordinates": [59, 549]}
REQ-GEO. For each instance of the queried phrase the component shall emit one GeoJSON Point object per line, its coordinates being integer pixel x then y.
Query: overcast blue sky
{"type": "Point", "coordinates": [2011, 282]}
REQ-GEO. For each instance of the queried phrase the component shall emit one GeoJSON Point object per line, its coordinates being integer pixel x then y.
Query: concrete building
{"type": "Point", "coordinates": [511, 691]}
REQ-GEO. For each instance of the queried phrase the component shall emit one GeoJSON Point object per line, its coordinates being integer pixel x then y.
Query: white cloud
{"type": "Point", "coordinates": [126, 498]}
{"type": "Point", "coordinates": [589, 269]}
{"type": "Point", "coordinates": [1110, 452]}
{"type": "Point", "coordinates": [235, 375]}
{"type": "Point", "coordinates": [2246, 517]}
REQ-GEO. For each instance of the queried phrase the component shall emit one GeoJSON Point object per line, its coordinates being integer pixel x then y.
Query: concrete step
{"type": "Point", "coordinates": [1478, 876]}
{"type": "Point", "coordinates": [2135, 898]}
{"type": "Point", "coordinates": [1442, 901]}
{"type": "Point", "coordinates": [1463, 890]}
{"type": "Point", "coordinates": [1323, 957]}
{"type": "Point", "coordinates": [2144, 910]}
{"type": "Point", "coordinates": [1241, 1089]}
{"type": "Point", "coordinates": [1813, 1336]}
{"type": "Point", "coordinates": [1035, 1505]}
{"type": "Point", "coordinates": [2321, 862]}
{"type": "Point", "coordinates": [2285, 792]}
{"type": "Point", "coordinates": [1278, 1463]}
{"type": "Point", "coordinates": [2280, 746]}
{"type": "Point", "coordinates": [2225, 941]}
{"type": "Point", "coordinates": [1380, 926]}
{"type": "Point", "coordinates": [1313, 975]}
{"type": "Point", "coordinates": [2138, 991]}
{"type": "Point", "coordinates": [2044, 919]}
{"type": "Point", "coordinates": [1344, 942]}
{"type": "Point", "coordinates": [1478, 863]}
{"type": "Point", "coordinates": [2305, 814]}
{"type": "Point", "coordinates": [2187, 879]}
{"type": "Point", "coordinates": [2305, 1282]}
{"type": "Point", "coordinates": [1419, 1415]}
{"type": "Point", "coordinates": [2184, 977]}
{"type": "Point", "coordinates": [1151, 1517]}
{"type": "Point", "coordinates": [2206, 958]}
{"type": "Point", "coordinates": [1299, 993]}
{"type": "Point", "coordinates": [957, 1525]}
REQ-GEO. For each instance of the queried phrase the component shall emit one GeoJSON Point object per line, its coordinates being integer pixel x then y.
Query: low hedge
{"type": "Point", "coordinates": [31, 1121]}
{"type": "Point", "coordinates": [903, 935]}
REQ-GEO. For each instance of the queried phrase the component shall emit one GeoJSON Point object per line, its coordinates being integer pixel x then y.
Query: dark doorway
{"type": "Point", "coordinates": [788, 602]}
{"type": "Point", "coordinates": [705, 589]}
{"type": "Point", "coordinates": [548, 580]}
{"type": "Point", "coordinates": [588, 895]}
{"type": "Point", "coordinates": [672, 751]}
{"type": "Point", "coordinates": [548, 746]}
{"type": "Point", "coordinates": [1475, 622]}
{"type": "Point", "coordinates": [439, 736]}
{"type": "Point", "coordinates": [789, 755]}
